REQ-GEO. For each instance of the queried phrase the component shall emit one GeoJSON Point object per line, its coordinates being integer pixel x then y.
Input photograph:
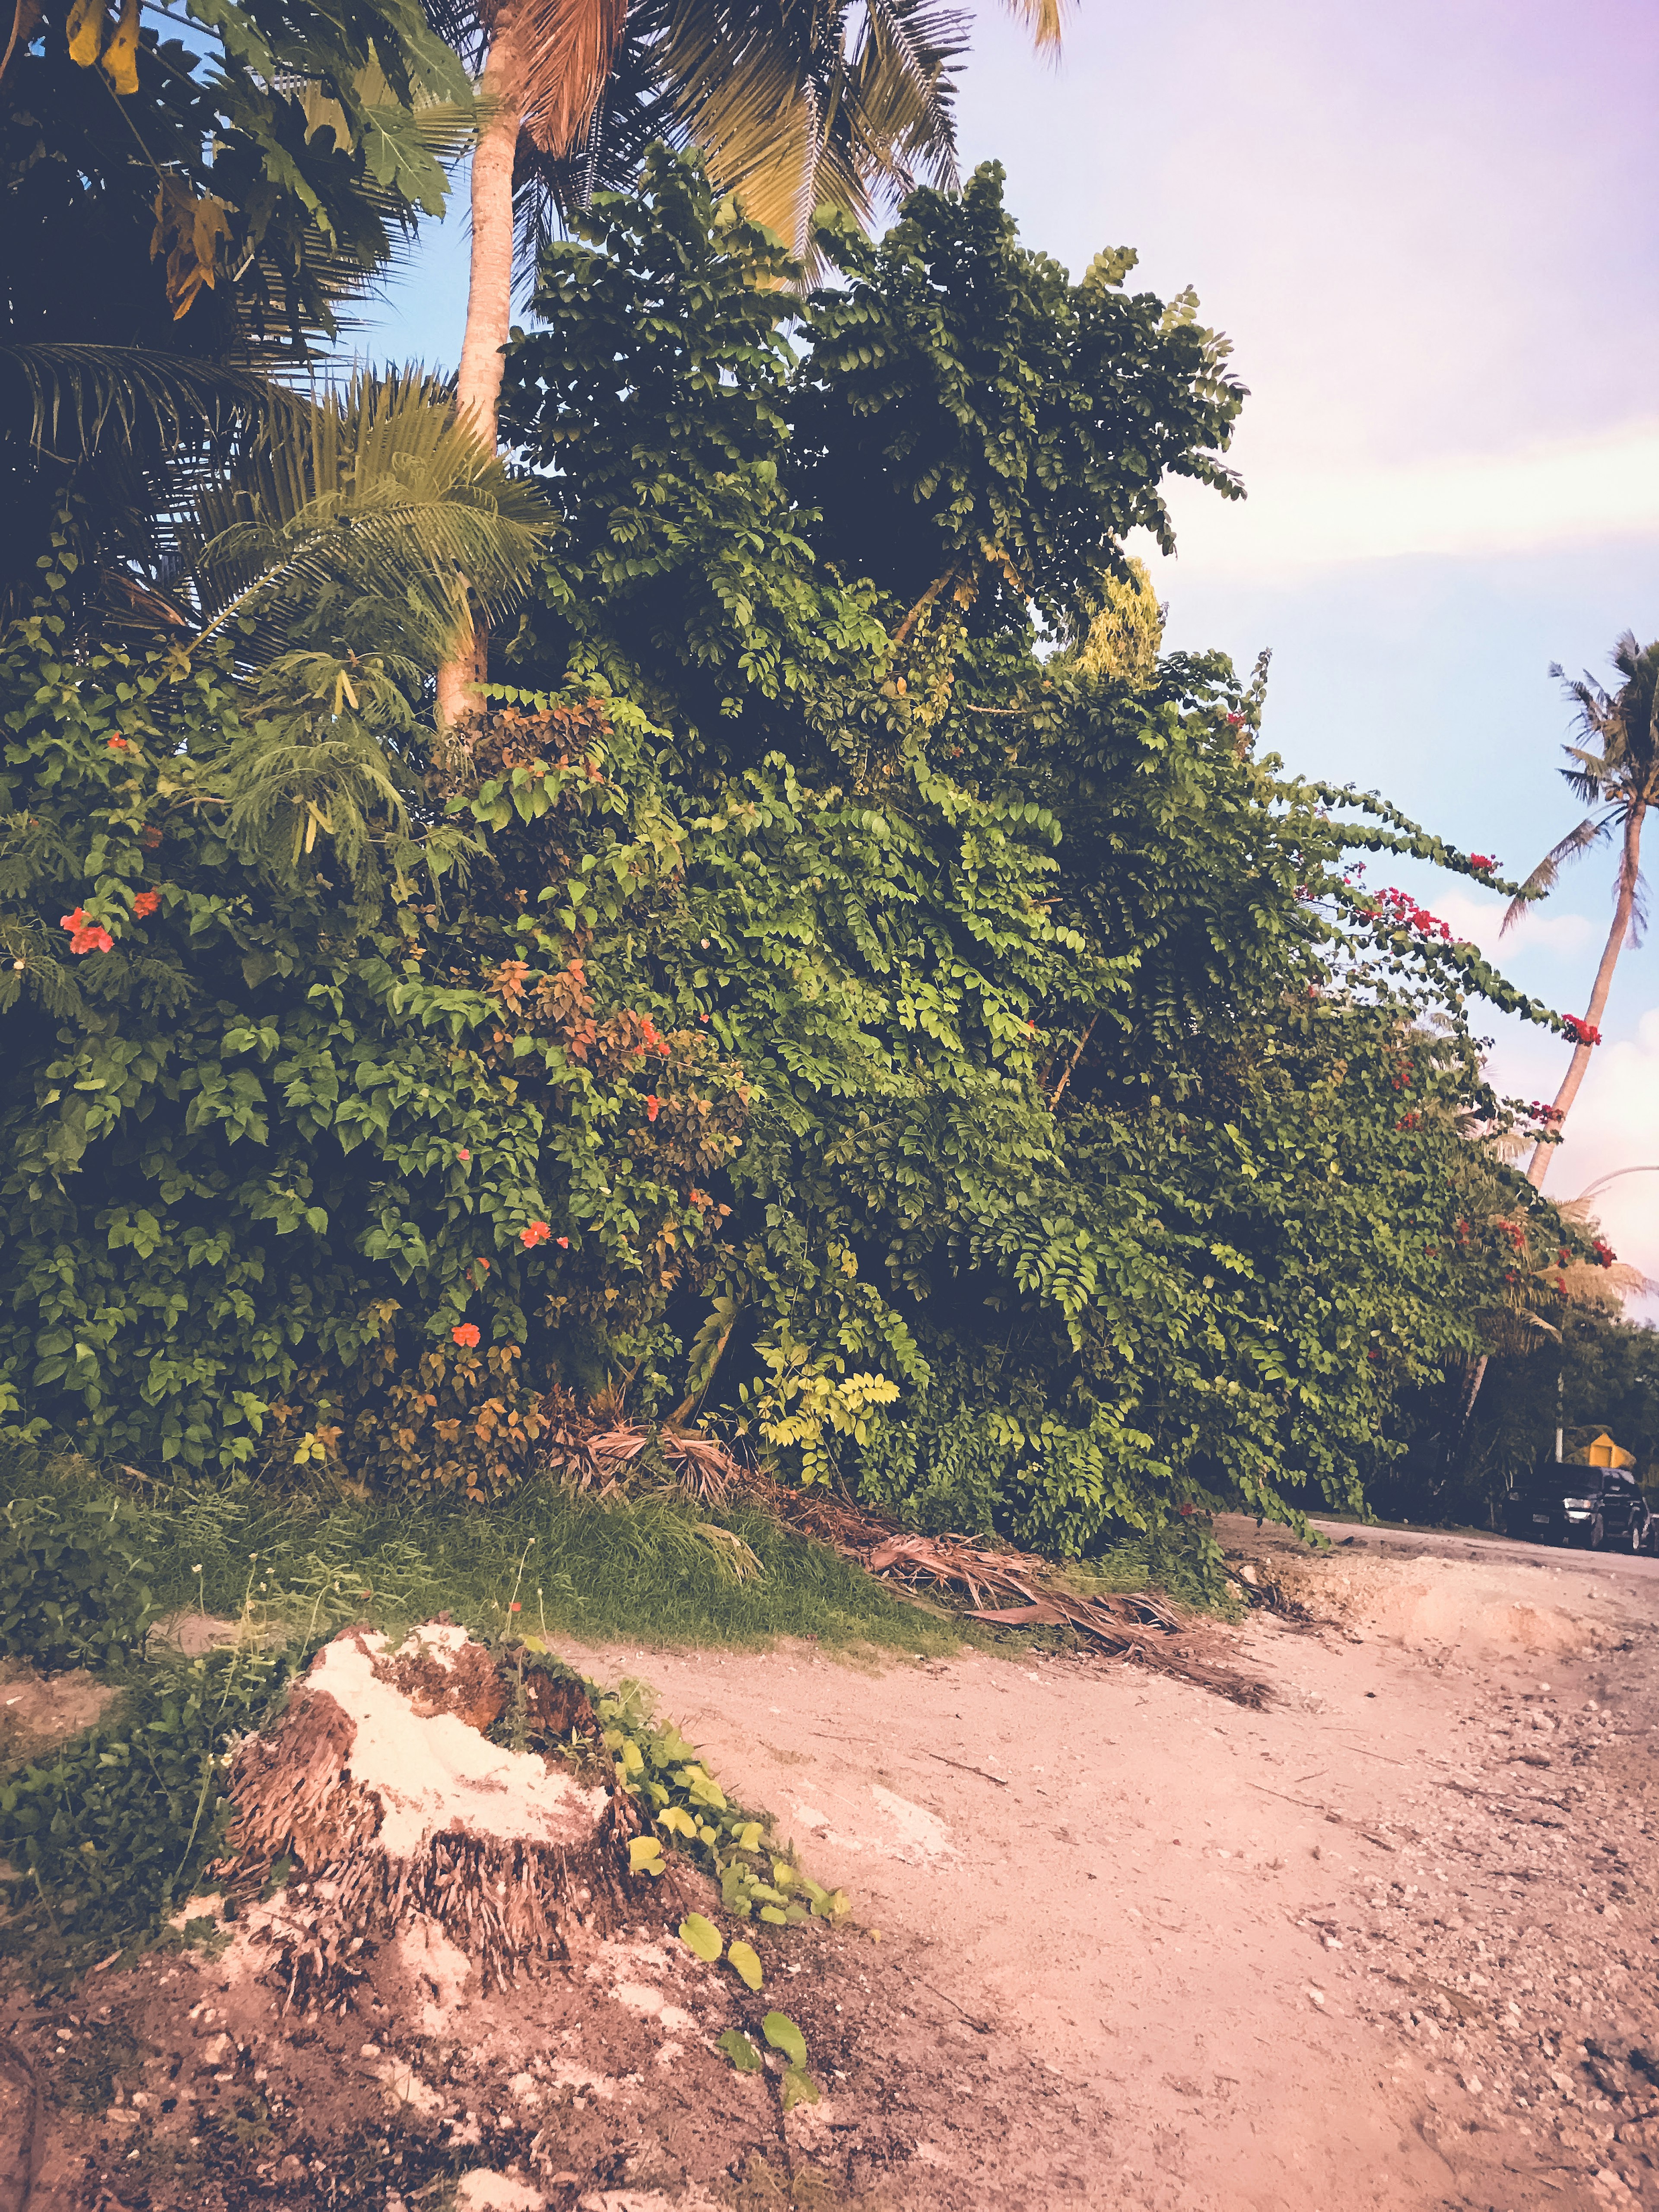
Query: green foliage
{"type": "Point", "coordinates": [114, 1827]}
{"type": "Point", "coordinates": [72, 1587]}
{"type": "Point", "coordinates": [976, 428]}
{"type": "Point", "coordinates": [980, 1078]}
{"type": "Point", "coordinates": [179, 223]}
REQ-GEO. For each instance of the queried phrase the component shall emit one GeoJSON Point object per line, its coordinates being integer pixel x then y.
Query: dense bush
{"type": "Point", "coordinates": [72, 1580]}
{"type": "Point", "coordinates": [969, 1072]}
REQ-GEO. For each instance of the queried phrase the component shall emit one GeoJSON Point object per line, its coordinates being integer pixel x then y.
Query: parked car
{"type": "Point", "coordinates": [1601, 1508]}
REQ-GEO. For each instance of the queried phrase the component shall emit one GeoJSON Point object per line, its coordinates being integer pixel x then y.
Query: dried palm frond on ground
{"type": "Point", "coordinates": [596, 1447]}
{"type": "Point", "coordinates": [378, 1792]}
{"type": "Point", "coordinates": [1136, 1627]}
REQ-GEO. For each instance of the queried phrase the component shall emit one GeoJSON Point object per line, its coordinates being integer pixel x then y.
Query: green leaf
{"type": "Point", "coordinates": [781, 2032]}
{"type": "Point", "coordinates": [644, 1856]}
{"type": "Point", "coordinates": [740, 2050]}
{"type": "Point", "coordinates": [799, 2088]}
{"type": "Point", "coordinates": [746, 1961]}
{"type": "Point", "coordinates": [701, 1936]}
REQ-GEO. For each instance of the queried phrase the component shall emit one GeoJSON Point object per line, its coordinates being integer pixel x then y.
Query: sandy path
{"type": "Point", "coordinates": [1389, 1942]}
{"type": "Point", "coordinates": [1211, 1927]}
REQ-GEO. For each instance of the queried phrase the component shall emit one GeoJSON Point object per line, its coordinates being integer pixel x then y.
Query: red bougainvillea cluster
{"type": "Point", "coordinates": [1581, 1032]}
{"type": "Point", "coordinates": [1483, 862]}
{"type": "Point", "coordinates": [1603, 1254]}
{"type": "Point", "coordinates": [1400, 910]}
{"type": "Point", "coordinates": [1538, 1111]}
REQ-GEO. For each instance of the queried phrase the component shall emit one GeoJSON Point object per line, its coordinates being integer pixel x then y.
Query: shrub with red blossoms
{"type": "Point", "coordinates": [536, 1233]}
{"type": "Point", "coordinates": [1398, 910]}
{"type": "Point", "coordinates": [1483, 861]}
{"type": "Point", "coordinates": [465, 1333]}
{"type": "Point", "coordinates": [146, 904]}
{"type": "Point", "coordinates": [1581, 1032]}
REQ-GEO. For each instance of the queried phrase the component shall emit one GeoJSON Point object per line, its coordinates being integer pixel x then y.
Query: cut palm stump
{"type": "Point", "coordinates": [379, 1796]}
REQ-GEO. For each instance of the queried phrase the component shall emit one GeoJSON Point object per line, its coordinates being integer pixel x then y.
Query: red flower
{"type": "Point", "coordinates": [85, 936]}
{"type": "Point", "coordinates": [482, 1262]}
{"type": "Point", "coordinates": [462, 1155]}
{"type": "Point", "coordinates": [117, 743]}
{"type": "Point", "coordinates": [1580, 1031]}
{"type": "Point", "coordinates": [563, 1243]}
{"type": "Point", "coordinates": [651, 1108]}
{"type": "Point", "coordinates": [149, 837]}
{"type": "Point", "coordinates": [146, 904]}
{"type": "Point", "coordinates": [466, 1333]}
{"type": "Point", "coordinates": [1484, 862]}
{"type": "Point", "coordinates": [515, 1607]}
{"type": "Point", "coordinates": [536, 1233]}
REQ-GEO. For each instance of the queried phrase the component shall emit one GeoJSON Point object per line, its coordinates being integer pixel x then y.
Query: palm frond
{"type": "Point", "coordinates": [1044, 18]}
{"type": "Point", "coordinates": [568, 47]}
{"type": "Point", "coordinates": [800, 106]}
{"type": "Point", "coordinates": [1542, 880]}
{"type": "Point", "coordinates": [380, 518]}
{"type": "Point", "coordinates": [83, 397]}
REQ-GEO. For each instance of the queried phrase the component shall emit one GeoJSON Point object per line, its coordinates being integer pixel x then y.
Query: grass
{"type": "Point", "coordinates": [653, 1569]}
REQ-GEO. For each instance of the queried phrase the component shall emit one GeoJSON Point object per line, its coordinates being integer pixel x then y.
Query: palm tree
{"type": "Point", "coordinates": [1616, 772]}
{"type": "Point", "coordinates": [798, 104]}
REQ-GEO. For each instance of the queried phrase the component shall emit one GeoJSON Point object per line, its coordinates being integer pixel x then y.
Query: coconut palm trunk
{"type": "Point", "coordinates": [489, 308]}
{"type": "Point", "coordinates": [1578, 1066]}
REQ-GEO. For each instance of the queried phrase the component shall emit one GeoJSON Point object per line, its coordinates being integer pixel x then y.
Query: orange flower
{"type": "Point", "coordinates": [651, 1110]}
{"type": "Point", "coordinates": [146, 904]}
{"type": "Point", "coordinates": [117, 743]}
{"type": "Point", "coordinates": [563, 1243]}
{"type": "Point", "coordinates": [466, 1333]}
{"type": "Point", "coordinates": [536, 1233]}
{"type": "Point", "coordinates": [462, 1155]}
{"type": "Point", "coordinates": [85, 936]}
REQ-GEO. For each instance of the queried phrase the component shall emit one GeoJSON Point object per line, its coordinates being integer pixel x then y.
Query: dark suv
{"type": "Point", "coordinates": [1600, 1507]}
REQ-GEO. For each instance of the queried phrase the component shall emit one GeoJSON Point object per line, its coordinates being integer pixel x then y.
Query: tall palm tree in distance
{"type": "Point", "coordinates": [797, 103]}
{"type": "Point", "coordinates": [1615, 771]}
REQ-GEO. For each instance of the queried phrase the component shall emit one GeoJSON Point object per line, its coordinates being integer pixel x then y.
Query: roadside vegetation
{"type": "Point", "coordinates": [816, 985]}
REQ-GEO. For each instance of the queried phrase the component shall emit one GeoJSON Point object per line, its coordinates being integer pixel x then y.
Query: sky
{"type": "Point", "coordinates": [1429, 231]}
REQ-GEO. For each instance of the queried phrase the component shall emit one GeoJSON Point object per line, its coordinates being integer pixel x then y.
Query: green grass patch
{"type": "Point", "coordinates": [652, 1568]}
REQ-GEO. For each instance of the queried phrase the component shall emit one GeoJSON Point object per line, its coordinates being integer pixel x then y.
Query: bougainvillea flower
{"type": "Point", "coordinates": [1484, 862]}
{"type": "Point", "coordinates": [536, 1233]}
{"type": "Point", "coordinates": [466, 1333]}
{"type": "Point", "coordinates": [146, 904]}
{"type": "Point", "coordinates": [149, 837]}
{"type": "Point", "coordinates": [482, 1262]}
{"type": "Point", "coordinates": [1581, 1032]}
{"type": "Point", "coordinates": [463, 1154]}
{"type": "Point", "coordinates": [563, 1243]}
{"type": "Point", "coordinates": [651, 1105]}
{"type": "Point", "coordinates": [117, 743]}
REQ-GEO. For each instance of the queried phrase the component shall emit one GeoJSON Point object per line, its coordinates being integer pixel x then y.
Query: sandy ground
{"type": "Point", "coordinates": [1389, 1942]}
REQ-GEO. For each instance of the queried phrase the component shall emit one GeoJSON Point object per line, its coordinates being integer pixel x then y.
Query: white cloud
{"type": "Point", "coordinates": [1480, 921]}
{"type": "Point", "coordinates": [1580, 491]}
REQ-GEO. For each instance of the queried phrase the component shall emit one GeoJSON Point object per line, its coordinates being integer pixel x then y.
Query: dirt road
{"type": "Point", "coordinates": [1343, 1951]}
{"type": "Point", "coordinates": [1388, 1942]}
